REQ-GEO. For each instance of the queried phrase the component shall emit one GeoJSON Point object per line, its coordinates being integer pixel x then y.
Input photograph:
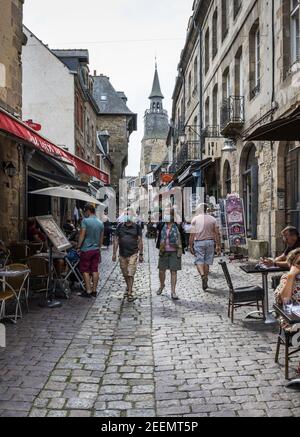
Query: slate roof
{"type": "Point", "coordinates": [72, 58]}
{"type": "Point", "coordinates": [156, 91]}
{"type": "Point", "coordinates": [107, 98]}
{"type": "Point", "coordinates": [82, 54]}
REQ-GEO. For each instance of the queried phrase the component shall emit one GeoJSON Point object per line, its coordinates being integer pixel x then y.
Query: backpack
{"type": "Point", "coordinates": [62, 289]}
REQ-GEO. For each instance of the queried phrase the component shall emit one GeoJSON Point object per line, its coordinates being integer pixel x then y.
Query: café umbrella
{"type": "Point", "coordinates": [67, 192]}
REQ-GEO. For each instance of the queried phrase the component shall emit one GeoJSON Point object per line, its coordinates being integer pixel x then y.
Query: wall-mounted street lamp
{"type": "Point", "coordinates": [229, 146]}
{"type": "Point", "coordinates": [9, 169]}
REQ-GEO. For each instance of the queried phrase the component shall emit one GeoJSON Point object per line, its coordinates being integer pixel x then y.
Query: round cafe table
{"type": "Point", "coordinates": [264, 271]}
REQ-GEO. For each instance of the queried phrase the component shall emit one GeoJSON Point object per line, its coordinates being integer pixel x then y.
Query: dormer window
{"type": "Point", "coordinates": [103, 98]}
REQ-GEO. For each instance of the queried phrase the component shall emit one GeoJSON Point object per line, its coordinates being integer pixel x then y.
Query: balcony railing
{"type": "Point", "coordinates": [188, 152]}
{"type": "Point", "coordinates": [211, 132]}
{"type": "Point", "coordinates": [232, 116]}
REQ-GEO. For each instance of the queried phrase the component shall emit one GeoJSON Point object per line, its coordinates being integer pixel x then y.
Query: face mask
{"type": "Point", "coordinates": [167, 219]}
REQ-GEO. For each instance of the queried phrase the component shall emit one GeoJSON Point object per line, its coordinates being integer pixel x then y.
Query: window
{"type": "Point", "coordinates": [195, 123]}
{"type": "Point", "coordinates": [226, 84]}
{"type": "Point", "coordinates": [207, 108]}
{"type": "Point", "coordinates": [215, 34]}
{"type": "Point", "coordinates": [255, 60]}
{"type": "Point", "coordinates": [189, 87]}
{"type": "Point", "coordinates": [215, 105]}
{"type": "Point", "coordinates": [88, 137]}
{"type": "Point", "coordinates": [239, 74]}
{"type": "Point", "coordinates": [158, 105]}
{"type": "Point", "coordinates": [295, 30]}
{"type": "Point", "coordinates": [236, 7]}
{"type": "Point", "coordinates": [207, 51]}
{"type": "Point", "coordinates": [195, 75]}
{"type": "Point", "coordinates": [224, 18]}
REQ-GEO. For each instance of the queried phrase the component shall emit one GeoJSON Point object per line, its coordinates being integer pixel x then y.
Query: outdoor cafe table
{"type": "Point", "coordinates": [255, 269]}
{"type": "Point", "coordinates": [11, 274]}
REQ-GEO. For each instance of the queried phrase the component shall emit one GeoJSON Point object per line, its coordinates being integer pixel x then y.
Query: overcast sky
{"type": "Point", "coordinates": [123, 37]}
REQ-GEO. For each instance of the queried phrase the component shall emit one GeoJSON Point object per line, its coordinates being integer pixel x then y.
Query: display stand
{"type": "Point", "coordinates": [56, 238]}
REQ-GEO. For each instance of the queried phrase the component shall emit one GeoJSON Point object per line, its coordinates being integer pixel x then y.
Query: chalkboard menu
{"type": "Point", "coordinates": [53, 232]}
{"type": "Point", "coordinates": [235, 221]}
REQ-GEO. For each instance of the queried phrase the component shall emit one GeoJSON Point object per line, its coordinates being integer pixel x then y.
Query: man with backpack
{"type": "Point", "coordinates": [129, 240]}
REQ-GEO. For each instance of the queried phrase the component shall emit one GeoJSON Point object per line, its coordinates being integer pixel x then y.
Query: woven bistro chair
{"type": "Point", "coordinates": [39, 273]}
{"type": "Point", "coordinates": [34, 248]}
{"type": "Point", "coordinates": [18, 252]}
{"type": "Point", "coordinates": [14, 288]}
{"type": "Point", "coordinates": [242, 296]}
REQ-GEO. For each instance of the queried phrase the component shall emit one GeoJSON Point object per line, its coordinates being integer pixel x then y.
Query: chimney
{"type": "Point", "coordinates": [95, 72]}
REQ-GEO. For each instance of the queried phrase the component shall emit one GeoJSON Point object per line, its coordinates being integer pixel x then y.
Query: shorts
{"type": "Point", "coordinates": [169, 261]}
{"type": "Point", "coordinates": [129, 265]}
{"type": "Point", "coordinates": [204, 252]}
{"type": "Point", "coordinates": [89, 261]}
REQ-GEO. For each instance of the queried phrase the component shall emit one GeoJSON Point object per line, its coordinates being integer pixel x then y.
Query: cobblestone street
{"type": "Point", "coordinates": [108, 357]}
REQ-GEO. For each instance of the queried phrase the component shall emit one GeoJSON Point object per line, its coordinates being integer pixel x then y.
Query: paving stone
{"type": "Point", "coordinates": [155, 357]}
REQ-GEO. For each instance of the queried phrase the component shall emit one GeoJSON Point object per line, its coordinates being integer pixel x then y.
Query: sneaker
{"type": "Point", "coordinates": [174, 296]}
{"type": "Point", "coordinates": [94, 294]}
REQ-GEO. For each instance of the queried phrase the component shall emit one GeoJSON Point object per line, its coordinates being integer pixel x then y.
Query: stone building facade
{"type": "Point", "coordinates": [249, 75]}
{"type": "Point", "coordinates": [118, 121]}
{"type": "Point", "coordinates": [11, 152]}
{"type": "Point", "coordinates": [156, 126]}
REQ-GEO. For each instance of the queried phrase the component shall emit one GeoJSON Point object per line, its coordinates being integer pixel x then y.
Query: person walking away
{"type": "Point", "coordinates": [89, 245]}
{"type": "Point", "coordinates": [170, 242]}
{"type": "Point", "coordinates": [129, 240]}
{"type": "Point", "coordinates": [107, 232]}
{"type": "Point", "coordinates": [204, 235]}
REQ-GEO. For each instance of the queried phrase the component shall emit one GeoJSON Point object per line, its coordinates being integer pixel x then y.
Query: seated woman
{"type": "Point", "coordinates": [35, 234]}
{"type": "Point", "coordinates": [289, 287]}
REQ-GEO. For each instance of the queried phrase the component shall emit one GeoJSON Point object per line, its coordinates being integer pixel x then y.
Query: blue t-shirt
{"type": "Point", "coordinates": [94, 227]}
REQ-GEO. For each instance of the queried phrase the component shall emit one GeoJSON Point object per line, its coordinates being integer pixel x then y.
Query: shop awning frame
{"type": "Point", "coordinates": [23, 133]}
{"type": "Point", "coordinates": [282, 129]}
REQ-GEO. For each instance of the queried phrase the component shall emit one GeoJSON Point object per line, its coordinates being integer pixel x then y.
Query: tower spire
{"type": "Point", "coordinates": [156, 91]}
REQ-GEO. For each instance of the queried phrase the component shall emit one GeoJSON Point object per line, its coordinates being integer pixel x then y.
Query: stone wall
{"type": "Point", "coordinates": [153, 152]}
{"type": "Point", "coordinates": [12, 190]}
{"type": "Point", "coordinates": [116, 125]}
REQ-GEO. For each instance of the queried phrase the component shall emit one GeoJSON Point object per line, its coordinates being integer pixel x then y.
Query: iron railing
{"type": "Point", "coordinates": [232, 114]}
{"type": "Point", "coordinates": [211, 132]}
{"type": "Point", "coordinates": [188, 152]}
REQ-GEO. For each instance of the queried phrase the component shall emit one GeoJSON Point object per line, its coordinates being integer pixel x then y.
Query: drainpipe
{"type": "Point", "coordinates": [272, 142]}
{"type": "Point", "coordinates": [200, 178]}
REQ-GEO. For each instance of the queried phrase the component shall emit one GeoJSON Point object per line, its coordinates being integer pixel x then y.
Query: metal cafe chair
{"type": "Point", "coordinates": [34, 248]}
{"type": "Point", "coordinates": [242, 296]}
{"type": "Point", "coordinates": [14, 287]}
{"type": "Point", "coordinates": [18, 252]}
{"type": "Point", "coordinates": [39, 273]}
{"type": "Point", "coordinates": [285, 338]}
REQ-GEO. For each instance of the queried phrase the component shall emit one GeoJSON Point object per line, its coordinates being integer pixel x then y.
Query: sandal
{"type": "Point", "coordinates": [174, 296]}
{"type": "Point", "coordinates": [131, 298]}
{"type": "Point", "coordinates": [160, 291]}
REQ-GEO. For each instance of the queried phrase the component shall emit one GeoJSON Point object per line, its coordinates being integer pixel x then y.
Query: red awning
{"type": "Point", "coordinates": [20, 130]}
